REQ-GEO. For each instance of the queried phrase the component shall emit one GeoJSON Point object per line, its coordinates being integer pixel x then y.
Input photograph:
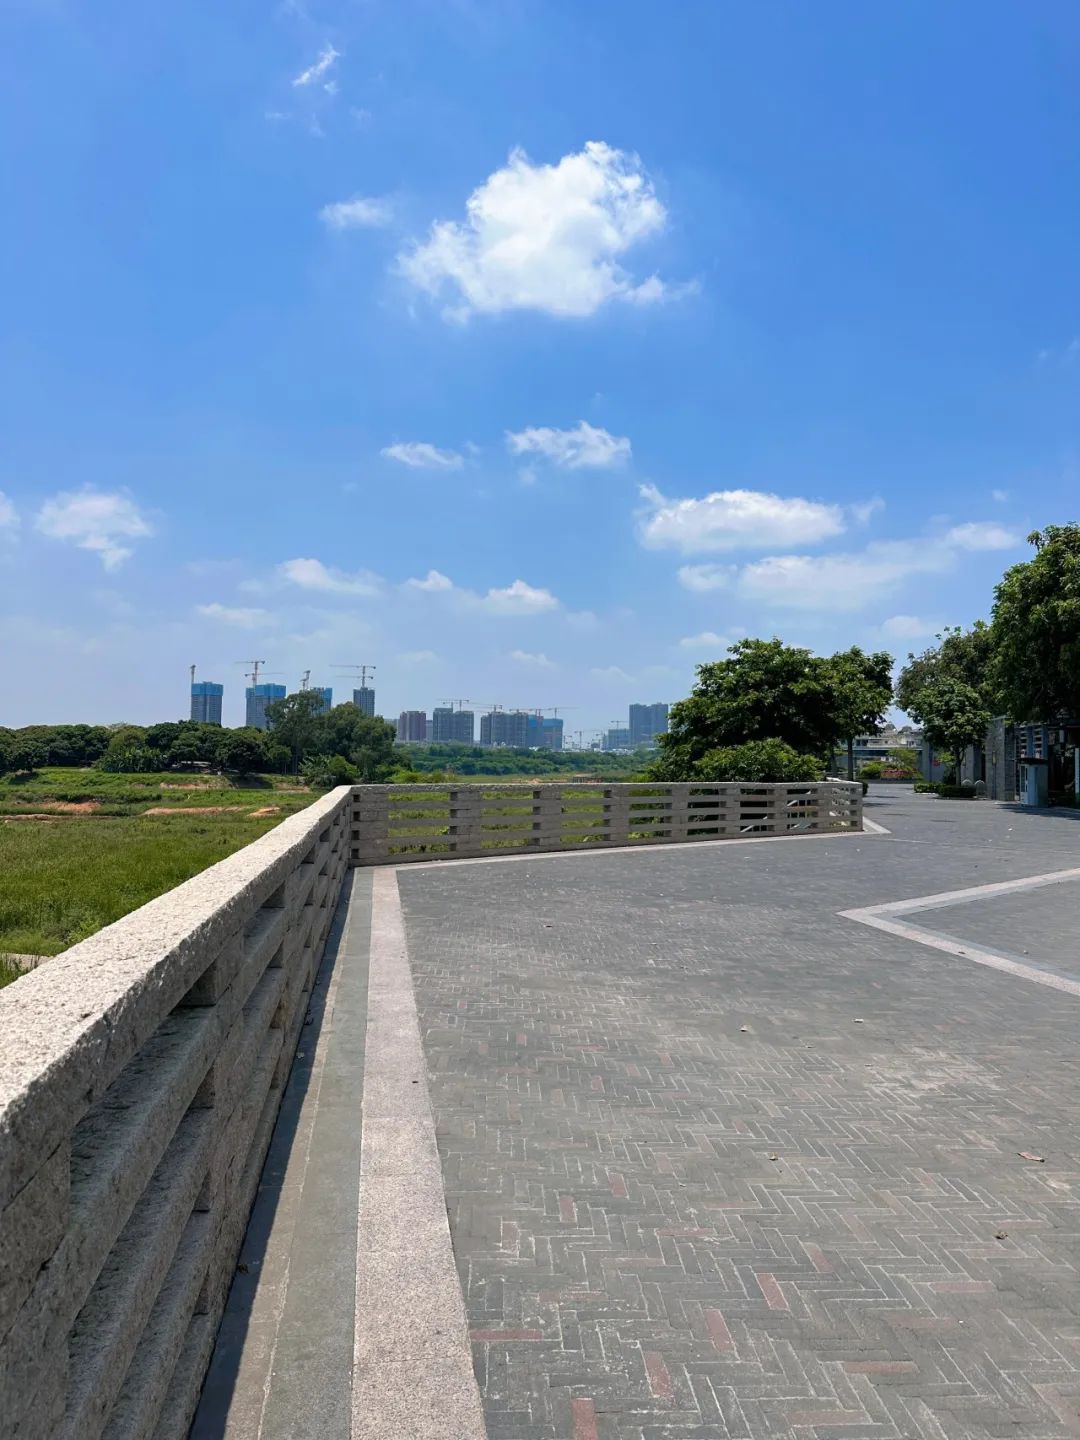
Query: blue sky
{"type": "Point", "coordinates": [528, 351]}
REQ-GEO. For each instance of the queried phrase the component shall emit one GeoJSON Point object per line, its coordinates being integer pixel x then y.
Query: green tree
{"type": "Point", "coordinates": [954, 716]}
{"type": "Point", "coordinates": [766, 691]}
{"type": "Point", "coordinates": [1036, 622]}
{"type": "Point", "coordinates": [862, 688]}
{"type": "Point", "coordinates": [965, 655]}
{"type": "Point", "coordinates": [905, 758]}
{"type": "Point", "coordinates": [241, 751]}
{"type": "Point", "coordinates": [295, 722]}
{"type": "Point", "coordinates": [758, 762]}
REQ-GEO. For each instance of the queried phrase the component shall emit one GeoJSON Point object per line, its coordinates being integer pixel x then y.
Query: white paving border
{"type": "Point", "coordinates": [880, 917]}
{"type": "Point", "coordinates": [412, 1366]}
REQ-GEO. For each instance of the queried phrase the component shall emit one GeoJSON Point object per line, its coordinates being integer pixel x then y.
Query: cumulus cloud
{"type": "Point", "coordinates": [419, 455]}
{"type": "Point", "coordinates": [613, 673]}
{"type": "Point", "coordinates": [97, 520]}
{"type": "Point", "coordinates": [246, 617]}
{"type": "Point", "coordinates": [327, 58]}
{"type": "Point", "coordinates": [544, 237]}
{"type": "Point", "coordinates": [706, 640]}
{"type": "Point", "coordinates": [9, 516]}
{"type": "Point", "coordinates": [843, 581]}
{"type": "Point", "coordinates": [981, 535]}
{"type": "Point", "coordinates": [703, 578]}
{"type": "Point", "coordinates": [314, 575]}
{"type": "Point", "coordinates": [359, 213]}
{"type": "Point", "coordinates": [586, 447]}
{"type": "Point", "coordinates": [432, 581]}
{"type": "Point", "coordinates": [908, 627]}
{"type": "Point", "coordinates": [519, 598]}
{"type": "Point", "coordinates": [735, 520]}
{"type": "Point", "coordinates": [528, 657]}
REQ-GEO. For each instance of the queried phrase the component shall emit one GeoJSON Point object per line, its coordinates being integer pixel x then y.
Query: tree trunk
{"type": "Point", "coordinates": [851, 758]}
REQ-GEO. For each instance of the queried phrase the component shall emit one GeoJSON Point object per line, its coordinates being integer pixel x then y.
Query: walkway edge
{"type": "Point", "coordinates": [413, 1372]}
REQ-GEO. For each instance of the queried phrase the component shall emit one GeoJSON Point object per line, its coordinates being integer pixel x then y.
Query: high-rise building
{"type": "Point", "coordinates": [646, 722]}
{"type": "Point", "coordinates": [452, 726]}
{"type": "Point", "coordinates": [326, 698]}
{"type": "Point", "coordinates": [617, 738]}
{"type": "Point", "coordinates": [505, 727]}
{"type": "Point", "coordinates": [545, 732]}
{"type": "Point", "coordinates": [364, 700]}
{"type": "Point", "coordinates": [412, 727]}
{"type": "Point", "coordinates": [206, 702]}
{"type": "Point", "coordinates": [257, 697]}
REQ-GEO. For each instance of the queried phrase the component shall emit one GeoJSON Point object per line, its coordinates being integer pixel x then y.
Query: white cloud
{"type": "Point", "coordinates": [433, 581]}
{"type": "Point", "coordinates": [417, 657]}
{"type": "Point", "coordinates": [96, 520]}
{"type": "Point", "coordinates": [544, 237]}
{"type": "Point", "coordinates": [862, 513]}
{"type": "Point", "coordinates": [703, 578]}
{"type": "Point", "coordinates": [908, 627]}
{"type": "Point", "coordinates": [246, 617]}
{"type": "Point", "coordinates": [999, 496]}
{"type": "Point", "coordinates": [314, 575]}
{"type": "Point", "coordinates": [981, 535]}
{"type": "Point", "coordinates": [528, 657]}
{"type": "Point", "coordinates": [843, 581]}
{"type": "Point", "coordinates": [419, 455]}
{"type": "Point", "coordinates": [328, 56]}
{"type": "Point", "coordinates": [613, 673]}
{"type": "Point", "coordinates": [707, 640]}
{"type": "Point", "coordinates": [361, 212]}
{"type": "Point", "coordinates": [519, 598]}
{"type": "Point", "coordinates": [736, 520]}
{"type": "Point", "coordinates": [586, 447]}
{"type": "Point", "coordinates": [9, 516]}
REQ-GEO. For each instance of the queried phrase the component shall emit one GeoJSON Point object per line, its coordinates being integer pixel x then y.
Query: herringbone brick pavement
{"type": "Point", "coordinates": [719, 1163]}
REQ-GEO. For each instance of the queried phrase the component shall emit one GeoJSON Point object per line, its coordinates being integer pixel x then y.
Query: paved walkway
{"type": "Point", "coordinates": [721, 1161]}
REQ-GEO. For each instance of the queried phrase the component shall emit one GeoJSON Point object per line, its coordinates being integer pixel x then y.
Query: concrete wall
{"type": "Point", "coordinates": [140, 1077]}
{"type": "Point", "coordinates": [401, 823]}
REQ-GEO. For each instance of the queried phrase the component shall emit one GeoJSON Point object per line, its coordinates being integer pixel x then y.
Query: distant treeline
{"type": "Point", "coordinates": [135, 749]}
{"type": "Point", "coordinates": [461, 759]}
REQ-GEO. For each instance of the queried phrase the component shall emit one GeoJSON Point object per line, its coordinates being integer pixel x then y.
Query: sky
{"type": "Point", "coordinates": [530, 351]}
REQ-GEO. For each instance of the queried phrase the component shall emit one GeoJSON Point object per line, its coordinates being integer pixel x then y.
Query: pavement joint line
{"type": "Point", "coordinates": [412, 1366]}
{"type": "Point", "coordinates": [880, 917]}
{"type": "Point", "coordinates": [434, 862]}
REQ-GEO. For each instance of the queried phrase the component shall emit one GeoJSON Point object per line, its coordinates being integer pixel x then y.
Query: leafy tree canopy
{"type": "Point", "coordinates": [758, 762]}
{"type": "Point", "coordinates": [964, 655]}
{"type": "Point", "coordinates": [1036, 621]}
{"type": "Point", "coordinates": [771, 691]}
{"type": "Point", "coordinates": [954, 715]}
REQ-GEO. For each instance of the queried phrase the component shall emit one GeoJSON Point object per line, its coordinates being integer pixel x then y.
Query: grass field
{"type": "Point", "coordinates": [101, 845]}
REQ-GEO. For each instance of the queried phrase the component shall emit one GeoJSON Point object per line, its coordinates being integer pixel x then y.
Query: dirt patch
{"type": "Point", "coordinates": [190, 810]}
{"type": "Point", "coordinates": [31, 815]}
{"type": "Point", "coordinates": [71, 807]}
{"type": "Point", "coordinates": [191, 785]}
{"type": "Point", "coordinates": [266, 810]}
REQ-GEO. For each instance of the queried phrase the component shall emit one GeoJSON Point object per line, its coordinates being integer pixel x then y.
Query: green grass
{"type": "Point", "coordinates": [132, 794]}
{"type": "Point", "coordinates": [66, 878]}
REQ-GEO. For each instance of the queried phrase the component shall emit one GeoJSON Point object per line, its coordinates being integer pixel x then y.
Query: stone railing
{"type": "Point", "coordinates": [141, 1073]}
{"type": "Point", "coordinates": [140, 1077]}
{"type": "Point", "coordinates": [400, 823]}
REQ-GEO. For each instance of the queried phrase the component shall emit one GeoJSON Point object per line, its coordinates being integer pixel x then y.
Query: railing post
{"type": "Point", "coordinates": [466, 820]}
{"type": "Point", "coordinates": [617, 801]}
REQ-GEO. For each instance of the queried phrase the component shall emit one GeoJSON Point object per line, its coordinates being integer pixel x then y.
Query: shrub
{"type": "Point", "coordinates": [757, 762]}
{"type": "Point", "coordinates": [945, 790]}
{"type": "Point", "coordinates": [871, 770]}
{"type": "Point", "coordinates": [323, 772]}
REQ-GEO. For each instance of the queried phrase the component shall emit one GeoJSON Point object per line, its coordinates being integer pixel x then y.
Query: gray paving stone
{"type": "Point", "coordinates": [719, 1162]}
